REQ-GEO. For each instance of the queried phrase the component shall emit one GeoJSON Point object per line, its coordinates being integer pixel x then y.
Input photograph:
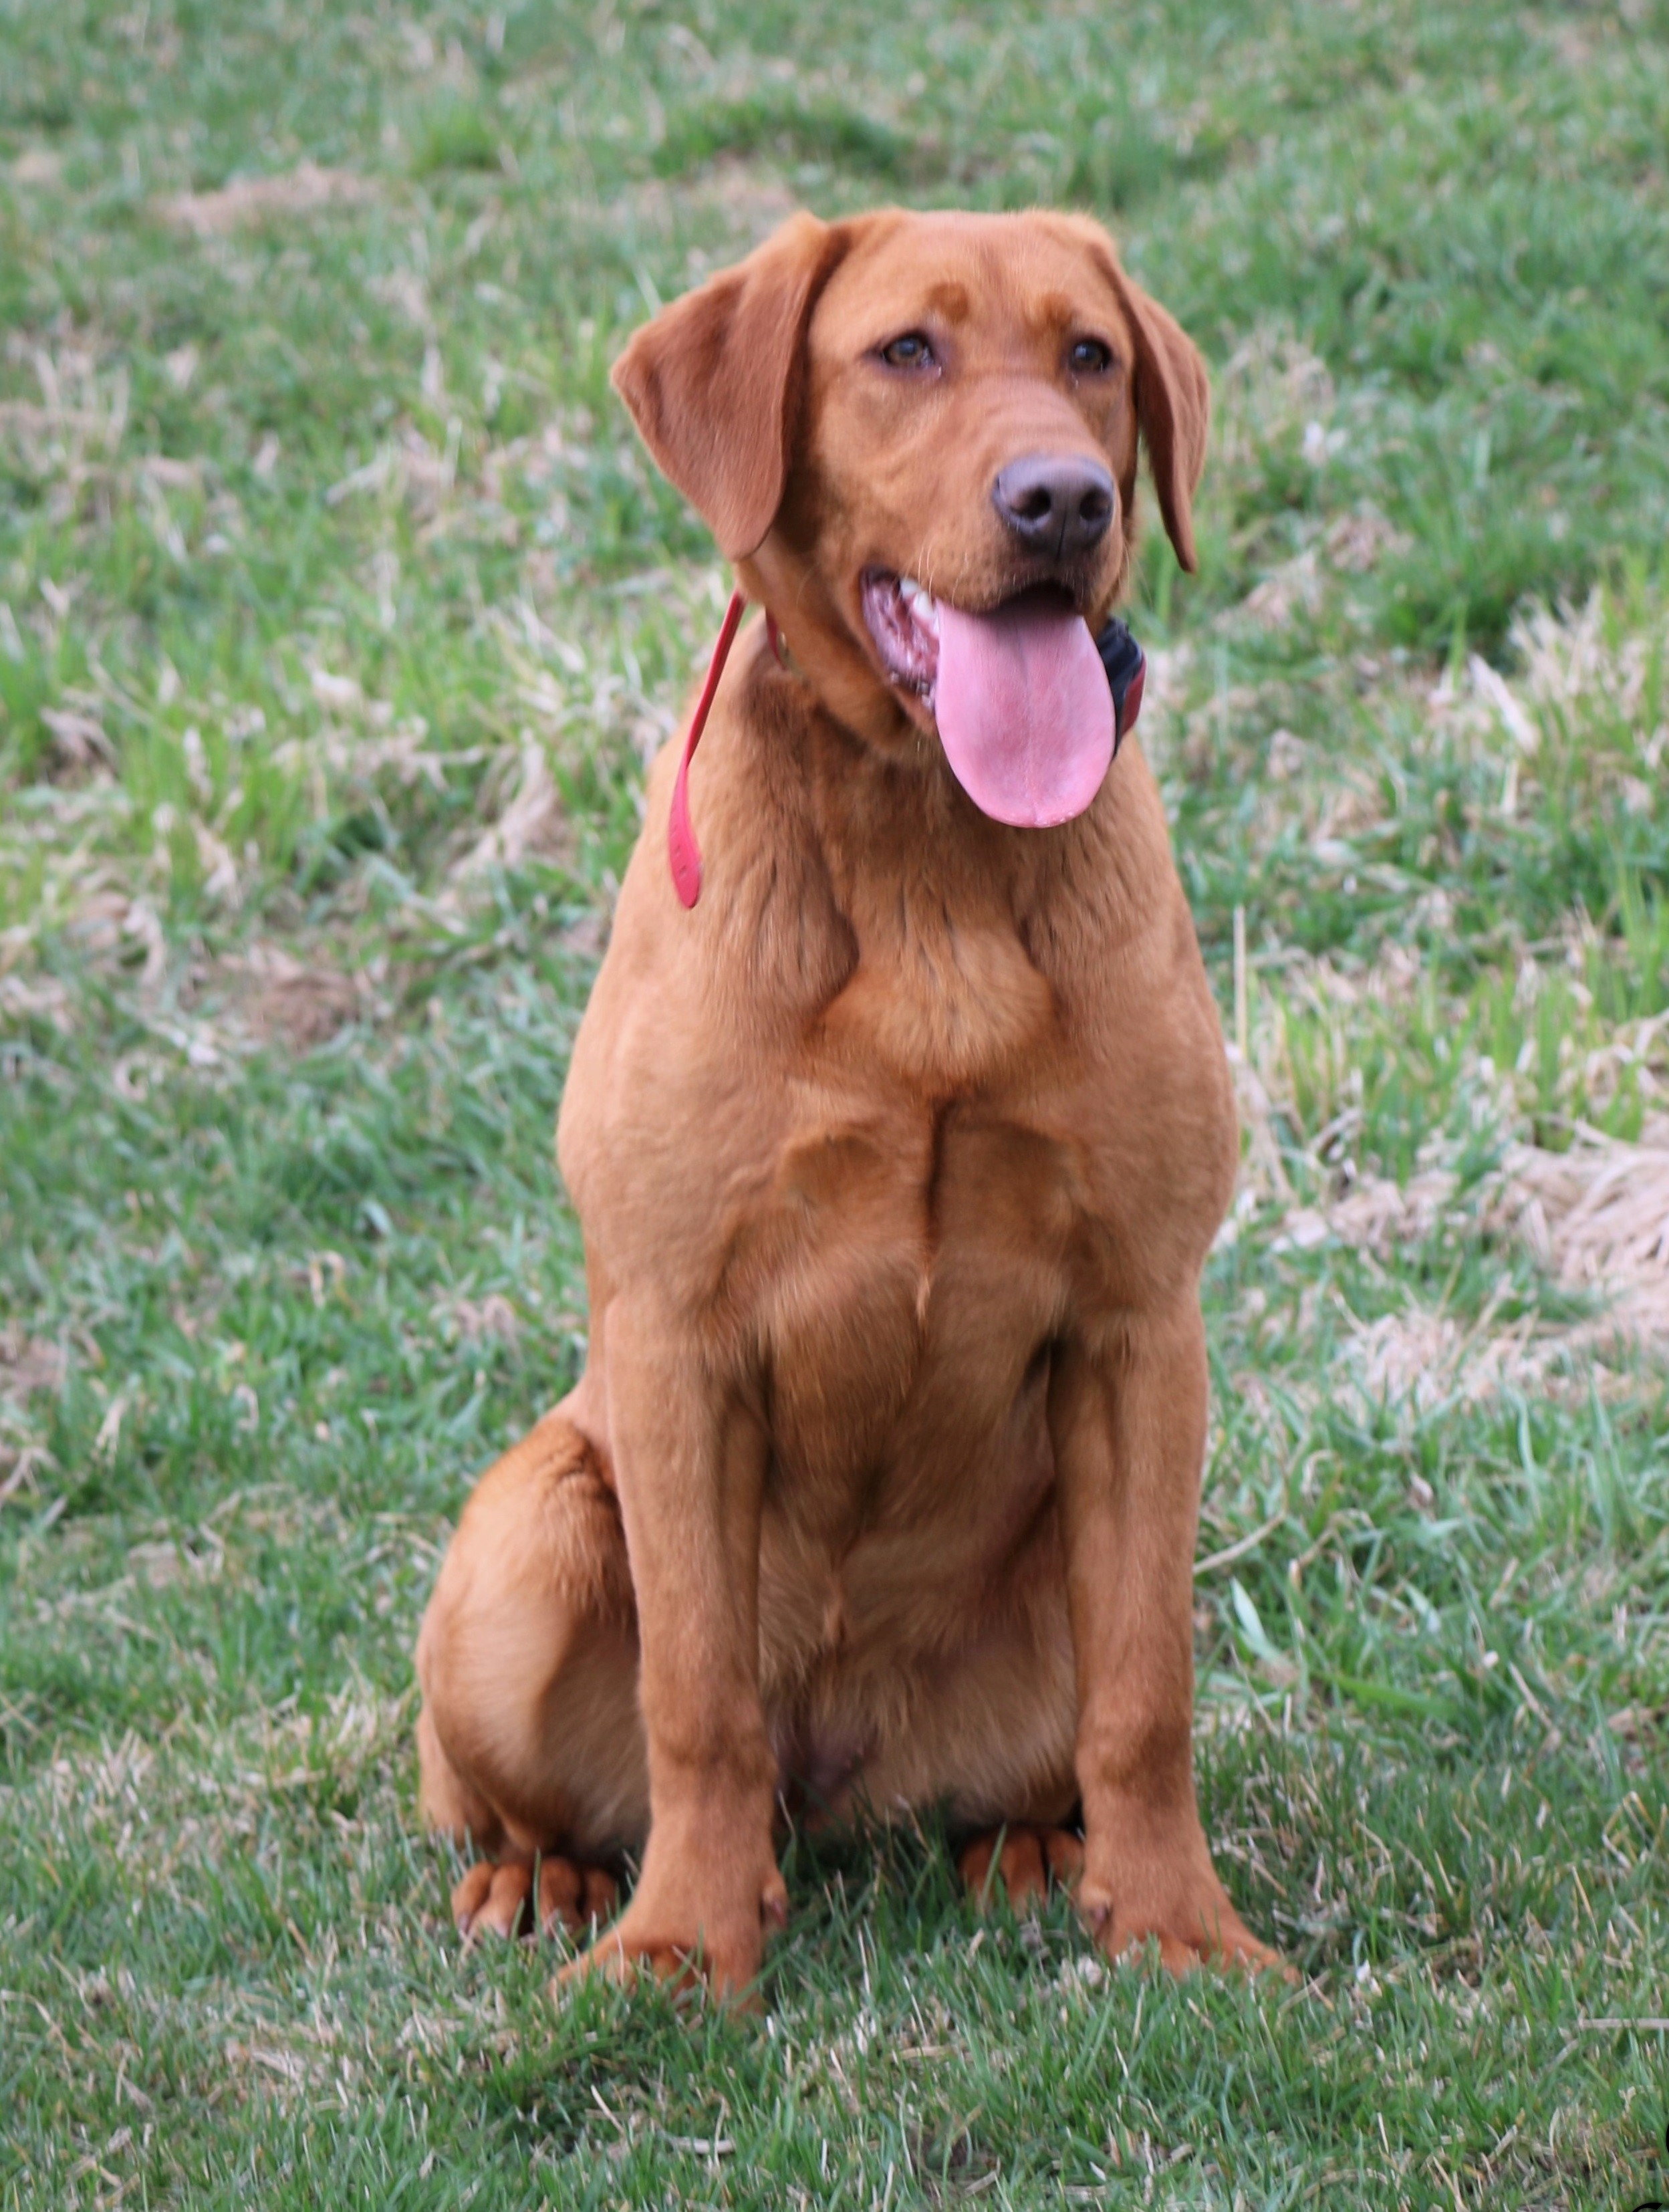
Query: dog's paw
{"type": "Point", "coordinates": [1193, 1924]}
{"type": "Point", "coordinates": [684, 1937]}
{"type": "Point", "coordinates": [498, 1899]}
{"type": "Point", "coordinates": [1024, 1859]}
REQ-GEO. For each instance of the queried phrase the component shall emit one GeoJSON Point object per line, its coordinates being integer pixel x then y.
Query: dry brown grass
{"type": "Point", "coordinates": [246, 200]}
{"type": "Point", "coordinates": [27, 1364]}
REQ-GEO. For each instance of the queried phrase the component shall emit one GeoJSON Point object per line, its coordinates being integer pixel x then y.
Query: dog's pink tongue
{"type": "Point", "coordinates": [1023, 709]}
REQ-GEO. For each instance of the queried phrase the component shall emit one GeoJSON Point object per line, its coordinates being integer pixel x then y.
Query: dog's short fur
{"type": "Point", "coordinates": [898, 1159]}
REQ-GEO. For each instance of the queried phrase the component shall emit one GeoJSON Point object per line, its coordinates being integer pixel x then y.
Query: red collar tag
{"type": "Point", "coordinates": [682, 850]}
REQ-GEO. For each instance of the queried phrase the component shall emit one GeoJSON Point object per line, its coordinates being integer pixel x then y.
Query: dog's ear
{"type": "Point", "coordinates": [1173, 398]}
{"type": "Point", "coordinates": [713, 382]}
{"type": "Point", "coordinates": [1173, 408]}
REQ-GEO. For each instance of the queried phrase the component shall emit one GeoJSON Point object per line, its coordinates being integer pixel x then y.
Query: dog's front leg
{"type": "Point", "coordinates": [689, 1460]}
{"type": "Point", "coordinates": [1127, 1421]}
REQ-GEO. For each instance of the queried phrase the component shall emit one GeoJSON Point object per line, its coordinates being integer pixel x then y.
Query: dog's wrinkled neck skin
{"type": "Point", "coordinates": [909, 880]}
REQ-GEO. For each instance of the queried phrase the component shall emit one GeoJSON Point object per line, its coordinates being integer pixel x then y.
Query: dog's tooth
{"type": "Point", "coordinates": [910, 591]}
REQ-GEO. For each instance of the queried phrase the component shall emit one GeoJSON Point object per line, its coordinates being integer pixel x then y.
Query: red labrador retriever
{"type": "Point", "coordinates": [898, 1156]}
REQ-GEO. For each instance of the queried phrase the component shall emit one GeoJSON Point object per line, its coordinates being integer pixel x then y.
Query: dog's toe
{"type": "Point", "coordinates": [490, 1899]}
{"type": "Point", "coordinates": [470, 1894]}
{"type": "Point", "coordinates": [496, 1899]}
{"type": "Point", "coordinates": [575, 1897]}
{"type": "Point", "coordinates": [503, 1910]}
{"type": "Point", "coordinates": [1024, 1858]}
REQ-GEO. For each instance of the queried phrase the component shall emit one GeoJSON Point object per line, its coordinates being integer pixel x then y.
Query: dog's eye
{"type": "Point", "coordinates": [913, 350]}
{"type": "Point", "coordinates": [1089, 357]}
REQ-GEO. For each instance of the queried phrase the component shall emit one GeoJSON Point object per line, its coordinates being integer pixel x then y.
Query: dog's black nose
{"type": "Point", "coordinates": [1059, 504]}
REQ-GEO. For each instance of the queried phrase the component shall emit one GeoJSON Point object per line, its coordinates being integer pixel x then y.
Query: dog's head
{"type": "Point", "coordinates": [916, 435]}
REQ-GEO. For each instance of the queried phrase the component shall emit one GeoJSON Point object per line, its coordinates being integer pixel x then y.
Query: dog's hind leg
{"type": "Point", "coordinates": [530, 1742]}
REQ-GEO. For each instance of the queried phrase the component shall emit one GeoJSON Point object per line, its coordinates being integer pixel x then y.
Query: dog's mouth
{"type": "Point", "coordinates": [1017, 693]}
{"type": "Point", "coordinates": [903, 618]}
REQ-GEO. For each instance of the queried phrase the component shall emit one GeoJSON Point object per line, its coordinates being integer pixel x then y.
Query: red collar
{"type": "Point", "coordinates": [685, 854]}
{"type": "Point", "coordinates": [682, 850]}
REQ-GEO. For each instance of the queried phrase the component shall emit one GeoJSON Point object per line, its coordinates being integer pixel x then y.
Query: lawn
{"type": "Point", "coordinates": [339, 612]}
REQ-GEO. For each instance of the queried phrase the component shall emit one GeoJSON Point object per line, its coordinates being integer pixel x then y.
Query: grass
{"type": "Point", "coordinates": [338, 612]}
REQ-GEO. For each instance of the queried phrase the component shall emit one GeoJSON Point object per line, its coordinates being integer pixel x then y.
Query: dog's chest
{"type": "Point", "coordinates": [920, 1222]}
{"type": "Point", "coordinates": [944, 997]}
{"type": "Point", "coordinates": [921, 1264]}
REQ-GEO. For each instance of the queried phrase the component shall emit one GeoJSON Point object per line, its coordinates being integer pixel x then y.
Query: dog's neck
{"type": "Point", "coordinates": [890, 809]}
{"type": "Point", "coordinates": [864, 896]}
{"type": "Point", "coordinates": [908, 855]}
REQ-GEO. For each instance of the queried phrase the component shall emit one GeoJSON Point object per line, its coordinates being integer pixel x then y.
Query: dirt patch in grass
{"type": "Point", "coordinates": [1431, 1358]}
{"type": "Point", "coordinates": [294, 1002]}
{"type": "Point", "coordinates": [27, 1364]}
{"type": "Point", "coordinates": [1598, 1215]}
{"type": "Point", "coordinates": [1596, 1219]}
{"type": "Point", "coordinates": [302, 191]}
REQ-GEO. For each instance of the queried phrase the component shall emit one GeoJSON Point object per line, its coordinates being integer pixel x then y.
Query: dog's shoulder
{"type": "Point", "coordinates": [679, 1067]}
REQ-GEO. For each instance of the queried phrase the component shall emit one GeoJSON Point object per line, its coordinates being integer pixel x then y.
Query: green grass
{"type": "Point", "coordinates": [316, 531]}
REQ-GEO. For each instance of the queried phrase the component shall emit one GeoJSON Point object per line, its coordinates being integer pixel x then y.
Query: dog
{"type": "Point", "coordinates": [898, 1156]}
